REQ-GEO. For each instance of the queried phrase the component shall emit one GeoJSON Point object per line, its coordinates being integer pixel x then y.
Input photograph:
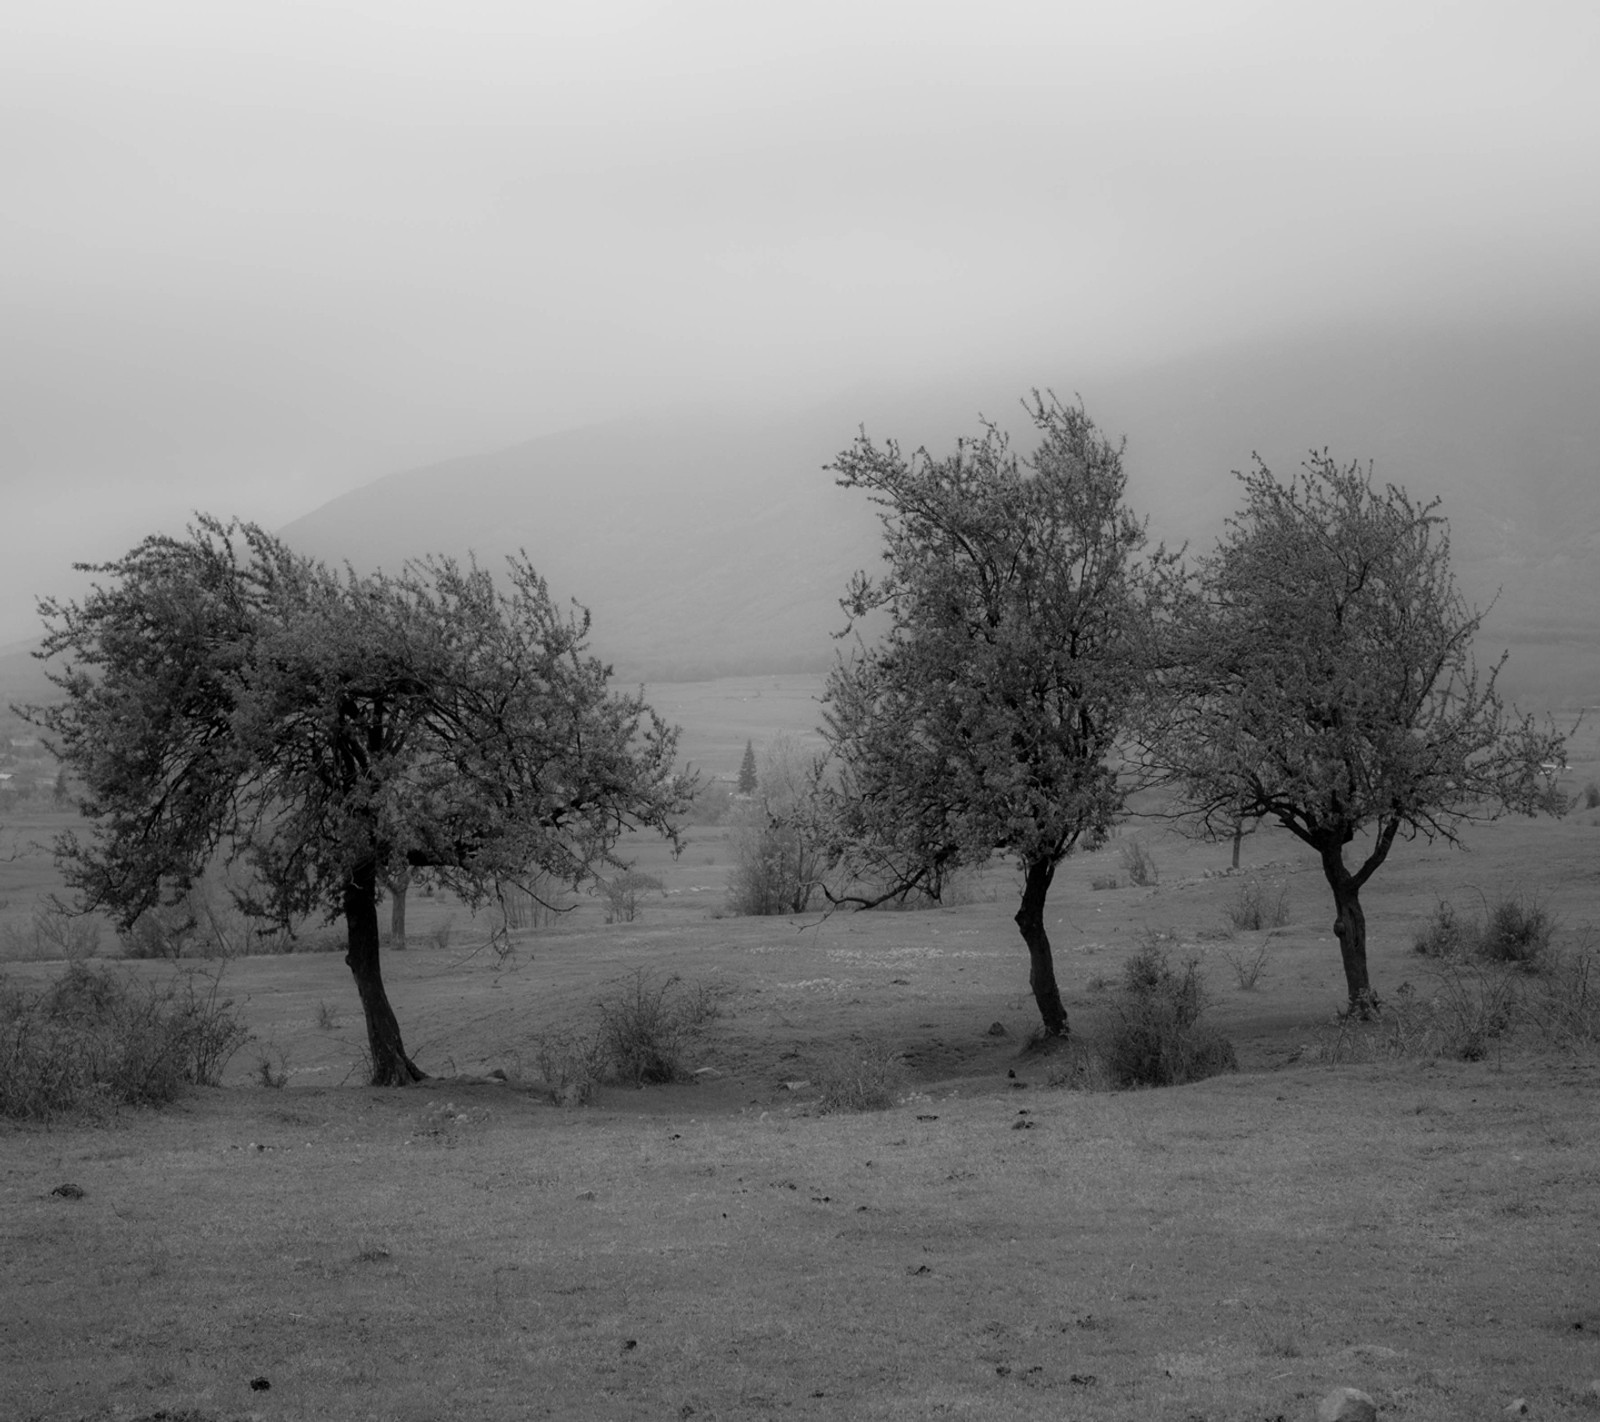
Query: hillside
{"type": "Point", "coordinates": [709, 542]}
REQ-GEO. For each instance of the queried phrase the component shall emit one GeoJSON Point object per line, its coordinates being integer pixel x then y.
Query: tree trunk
{"type": "Point", "coordinates": [390, 1064]}
{"type": "Point", "coordinates": [1350, 928]}
{"type": "Point", "coordinates": [397, 887]}
{"type": "Point", "coordinates": [1041, 967]}
{"type": "Point", "coordinates": [1238, 839]}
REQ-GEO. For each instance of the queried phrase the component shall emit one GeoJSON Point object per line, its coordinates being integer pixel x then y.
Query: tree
{"type": "Point", "coordinates": [224, 696]}
{"type": "Point", "coordinates": [747, 770]}
{"type": "Point", "coordinates": [986, 718]}
{"type": "Point", "coordinates": [1323, 678]}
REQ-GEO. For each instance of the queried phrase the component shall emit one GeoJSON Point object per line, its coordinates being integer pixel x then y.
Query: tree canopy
{"type": "Point", "coordinates": [1322, 676]}
{"type": "Point", "coordinates": [986, 717]}
{"type": "Point", "coordinates": [226, 697]}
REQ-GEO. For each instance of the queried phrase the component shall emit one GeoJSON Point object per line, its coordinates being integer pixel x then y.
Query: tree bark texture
{"type": "Point", "coordinates": [1041, 965]}
{"type": "Point", "coordinates": [390, 1064]}
{"type": "Point", "coordinates": [1350, 928]}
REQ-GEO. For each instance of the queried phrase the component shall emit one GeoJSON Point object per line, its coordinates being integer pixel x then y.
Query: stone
{"type": "Point", "coordinates": [1347, 1404]}
{"type": "Point", "coordinates": [997, 1029]}
{"type": "Point", "coordinates": [1517, 1407]}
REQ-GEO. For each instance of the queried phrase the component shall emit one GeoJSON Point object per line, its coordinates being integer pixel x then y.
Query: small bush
{"type": "Point", "coordinates": [537, 902]}
{"type": "Point", "coordinates": [1248, 965]}
{"type": "Point", "coordinates": [645, 1029]}
{"type": "Point", "coordinates": [1103, 881]}
{"type": "Point", "coordinates": [861, 1079]}
{"type": "Point", "coordinates": [1591, 796]}
{"type": "Point", "coordinates": [270, 1074]}
{"type": "Point", "coordinates": [1471, 1008]}
{"type": "Point", "coordinates": [93, 1039]}
{"type": "Point", "coordinates": [775, 868]}
{"type": "Point", "coordinates": [1517, 931]}
{"type": "Point", "coordinates": [1444, 935]}
{"type": "Point", "coordinates": [1139, 864]}
{"type": "Point", "coordinates": [1256, 905]}
{"type": "Point", "coordinates": [572, 1066]}
{"type": "Point", "coordinates": [1080, 1067]}
{"type": "Point", "coordinates": [1156, 1036]}
{"type": "Point", "coordinates": [51, 932]}
{"type": "Point", "coordinates": [713, 799]}
{"type": "Point", "coordinates": [778, 860]}
{"type": "Point", "coordinates": [623, 892]}
{"type": "Point", "coordinates": [206, 923]}
{"type": "Point", "coordinates": [1564, 1007]}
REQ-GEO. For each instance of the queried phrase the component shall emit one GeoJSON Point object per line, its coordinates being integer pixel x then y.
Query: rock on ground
{"type": "Point", "coordinates": [1347, 1404]}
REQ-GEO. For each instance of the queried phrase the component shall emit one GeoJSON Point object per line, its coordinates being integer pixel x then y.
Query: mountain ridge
{"type": "Point", "coordinates": [712, 541]}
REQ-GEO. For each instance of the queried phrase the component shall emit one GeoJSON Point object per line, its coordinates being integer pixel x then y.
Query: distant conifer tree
{"type": "Point", "coordinates": [747, 770]}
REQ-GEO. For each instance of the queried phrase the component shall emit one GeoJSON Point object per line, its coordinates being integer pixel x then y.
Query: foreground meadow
{"type": "Point", "coordinates": [1352, 1208]}
{"type": "Point", "coordinates": [990, 1246]}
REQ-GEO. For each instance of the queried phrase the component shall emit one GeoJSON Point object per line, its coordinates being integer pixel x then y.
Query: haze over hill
{"type": "Point", "coordinates": [712, 541]}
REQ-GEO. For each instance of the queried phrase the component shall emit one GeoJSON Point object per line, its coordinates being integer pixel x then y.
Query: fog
{"type": "Point", "coordinates": [252, 256]}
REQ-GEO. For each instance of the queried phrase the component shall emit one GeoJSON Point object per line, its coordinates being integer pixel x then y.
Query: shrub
{"type": "Point", "coordinates": [1248, 966]}
{"type": "Point", "coordinates": [1103, 881]}
{"type": "Point", "coordinates": [1155, 1036]}
{"type": "Point", "coordinates": [1256, 905]}
{"type": "Point", "coordinates": [270, 1074]}
{"type": "Point", "coordinates": [777, 855]}
{"type": "Point", "coordinates": [645, 1028]}
{"type": "Point", "coordinates": [207, 923]}
{"type": "Point", "coordinates": [1471, 1008]}
{"type": "Point", "coordinates": [1517, 931]}
{"type": "Point", "coordinates": [713, 799]}
{"type": "Point", "coordinates": [571, 1066]}
{"type": "Point", "coordinates": [536, 902]}
{"type": "Point", "coordinates": [1444, 935]}
{"type": "Point", "coordinates": [775, 868]}
{"type": "Point", "coordinates": [1565, 1006]}
{"type": "Point", "coordinates": [1139, 864]}
{"type": "Point", "coordinates": [1591, 796]}
{"type": "Point", "coordinates": [52, 931]}
{"type": "Point", "coordinates": [622, 894]}
{"type": "Point", "coordinates": [867, 1078]}
{"type": "Point", "coordinates": [94, 1038]}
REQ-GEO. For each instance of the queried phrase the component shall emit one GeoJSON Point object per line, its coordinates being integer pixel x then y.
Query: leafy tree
{"type": "Point", "coordinates": [747, 770]}
{"type": "Point", "coordinates": [1324, 679]}
{"type": "Point", "coordinates": [986, 718]}
{"type": "Point", "coordinates": [226, 696]}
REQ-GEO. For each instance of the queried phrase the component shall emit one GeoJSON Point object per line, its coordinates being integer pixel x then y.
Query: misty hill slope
{"type": "Point", "coordinates": [701, 545]}
{"type": "Point", "coordinates": [714, 542]}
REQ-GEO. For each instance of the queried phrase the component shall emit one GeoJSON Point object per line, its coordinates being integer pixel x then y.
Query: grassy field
{"type": "Point", "coordinates": [990, 1247]}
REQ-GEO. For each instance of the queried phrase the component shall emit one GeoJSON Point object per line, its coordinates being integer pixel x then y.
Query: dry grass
{"type": "Point", "coordinates": [415, 1255]}
{"type": "Point", "coordinates": [1410, 1223]}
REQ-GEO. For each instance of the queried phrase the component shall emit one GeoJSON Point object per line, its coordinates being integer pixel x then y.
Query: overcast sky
{"type": "Point", "coordinates": [252, 255]}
